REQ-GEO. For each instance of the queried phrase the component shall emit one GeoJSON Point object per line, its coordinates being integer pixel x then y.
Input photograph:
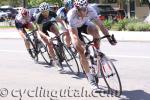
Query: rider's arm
{"type": "Point", "coordinates": [39, 26]}
{"type": "Point", "coordinates": [99, 23]}
{"type": "Point", "coordinates": [94, 18]}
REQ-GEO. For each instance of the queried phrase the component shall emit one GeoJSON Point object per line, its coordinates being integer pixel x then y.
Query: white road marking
{"type": "Point", "coordinates": [130, 56]}
{"type": "Point", "coordinates": [13, 51]}
{"type": "Point", "coordinates": [120, 56]}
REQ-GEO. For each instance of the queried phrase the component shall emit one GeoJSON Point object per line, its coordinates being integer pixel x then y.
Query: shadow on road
{"type": "Point", "coordinates": [135, 95]}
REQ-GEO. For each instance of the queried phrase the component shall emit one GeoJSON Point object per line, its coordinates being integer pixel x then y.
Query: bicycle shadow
{"type": "Point", "coordinates": [79, 76]}
{"type": "Point", "coordinates": [135, 95]}
{"type": "Point", "coordinates": [44, 64]}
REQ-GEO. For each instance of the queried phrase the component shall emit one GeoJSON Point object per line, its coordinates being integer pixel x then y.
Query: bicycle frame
{"type": "Point", "coordinates": [105, 69]}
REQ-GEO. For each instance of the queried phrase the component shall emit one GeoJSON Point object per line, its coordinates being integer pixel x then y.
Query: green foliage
{"type": "Point", "coordinates": [131, 24]}
{"type": "Point", "coordinates": [30, 3]}
{"type": "Point", "coordinates": [116, 27]}
{"type": "Point", "coordinates": [139, 26]}
{"type": "Point", "coordinates": [35, 3]}
{"type": "Point", "coordinates": [122, 24]}
{"type": "Point", "coordinates": [108, 24]}
{"type": "Point", "coordinates": [130, 27]}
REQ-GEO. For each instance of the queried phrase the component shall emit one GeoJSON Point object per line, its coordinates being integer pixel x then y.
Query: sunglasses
{"type": "Point", "coordinates": [83, 9]}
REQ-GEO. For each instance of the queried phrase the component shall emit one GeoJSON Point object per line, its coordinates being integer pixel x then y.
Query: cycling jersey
{"type": "Point", "coordinates": [46, 23]}
{"type": "Point", "coordinates": [62, 13]}
{"type": "Point", "coordinates": [23, 22]}
{"type": "Point", "coordinates": [41, 20]}
{"type": "Point", "coordinates": [75, 21]}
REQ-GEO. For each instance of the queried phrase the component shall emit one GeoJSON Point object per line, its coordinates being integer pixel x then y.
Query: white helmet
{"type": "Point", "coordinates": [44, 7]}
{"type": "Point", "coordinates": [81, 3]}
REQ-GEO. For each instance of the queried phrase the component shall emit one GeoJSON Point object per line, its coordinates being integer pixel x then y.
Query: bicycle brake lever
{"type": "Point", "coordinates": [113, 38]}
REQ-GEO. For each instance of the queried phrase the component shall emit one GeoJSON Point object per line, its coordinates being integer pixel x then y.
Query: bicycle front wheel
{"type": "Point", "coordinates": [33, 53]}
{"type": "Point", "coordinates": [110, 76]}
{"type": "Point", "coordinates": [44, 52]}
{"type": "Point", "coordinates": [71, 60]}
{"type": "Point", "coordinates": [74, 51]}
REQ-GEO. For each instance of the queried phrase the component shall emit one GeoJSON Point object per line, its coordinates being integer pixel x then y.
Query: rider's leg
{"type": "Point", "coordinates": [20, 27]}
{"type": "Point", "coordinates": [22, 34]}
{"type": "Point", "coordinates": [80, 48]}
{"type": "Point", "coordinates": [93, 30]}
{"type": "Point", "coordinates": [67, 39]}
{"type": "Point", "coordinates": [54, 29]}
{"type": "Point", "coordinates": [30, 27]}
{"type": "Point", "coordinates": [50, 46]}
{"type": "Point", "coordinates": [63, 29]}
{"type": "Point", "coordinates": [83, 60]}
{"type": "Point", "coordinates": [47, 27]}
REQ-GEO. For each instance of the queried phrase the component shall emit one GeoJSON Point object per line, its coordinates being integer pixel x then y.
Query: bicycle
{"type": "Point", "coordinates": [37, 47]}
{"type": "Point", "coordinates": [65, 55]}
{"type": "Point", "coordinates": [104, 68]}
{"type": "Point", "coordinates": [85, 40]}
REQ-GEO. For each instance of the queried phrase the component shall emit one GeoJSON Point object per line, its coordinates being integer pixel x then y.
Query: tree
{"type": "Point", "coordinates": [35, 3]}
{"type": "Point", "coordinates": [29, 3]}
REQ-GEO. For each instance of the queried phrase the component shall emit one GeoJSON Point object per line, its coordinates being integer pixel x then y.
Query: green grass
{"type": "Point", "coordinates": [7, 26]}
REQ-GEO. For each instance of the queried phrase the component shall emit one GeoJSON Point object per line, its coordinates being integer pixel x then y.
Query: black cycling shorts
{"type": "Point", "coordinates": [82, 29]}
{"type": "Point", "coordinates": [46, 27]}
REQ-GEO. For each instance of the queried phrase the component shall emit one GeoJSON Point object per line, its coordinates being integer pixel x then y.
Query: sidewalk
{"type": "Point", "coordinates": [119, 35]}
{"type": "Point", "coordinates": [9, 33]}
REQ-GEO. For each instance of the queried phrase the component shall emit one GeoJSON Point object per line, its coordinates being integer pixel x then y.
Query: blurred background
{"type": "Point", "coordinates": [112, 12]}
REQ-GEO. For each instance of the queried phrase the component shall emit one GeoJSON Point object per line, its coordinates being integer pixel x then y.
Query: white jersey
{"type": "Point", "coordinates": [76, 21]}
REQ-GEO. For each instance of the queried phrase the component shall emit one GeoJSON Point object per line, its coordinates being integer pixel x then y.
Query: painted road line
{"type": "Point", "coordinates": [120, 56]}
{"type": "Point", "coordinates": [125, 56]}
{"type": "Point", "coordinates": [13, 51]}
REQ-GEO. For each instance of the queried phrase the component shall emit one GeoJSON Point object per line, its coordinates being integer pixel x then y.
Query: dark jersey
{"type": "Point", "coordinates": [41, 20]}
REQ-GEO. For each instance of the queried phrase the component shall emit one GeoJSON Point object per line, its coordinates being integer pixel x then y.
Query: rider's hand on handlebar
{"type": "Point", "coordinates": [112, 40]}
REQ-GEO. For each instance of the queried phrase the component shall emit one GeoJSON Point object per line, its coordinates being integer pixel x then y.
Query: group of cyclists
{"type": "Point", "coordinates": [74, 18]}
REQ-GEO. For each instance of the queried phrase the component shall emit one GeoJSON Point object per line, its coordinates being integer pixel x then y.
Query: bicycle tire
{"type": "Point", "coordinates": [58, 55]}
{"type": "Point", "coordinates": [70, 59]}
{"type": "Point", "coordinates": [33, 48]}
{"type": "Point", "coordinates": [109, 70]}
{"type": "Point", "coordinates": [44, 52]}
{"type": "Point", "coordinates": [74, 51]}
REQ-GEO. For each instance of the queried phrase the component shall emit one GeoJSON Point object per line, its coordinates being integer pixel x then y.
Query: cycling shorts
{"type": "Point", "coordinates": [83, 29]}
{"type": "Point", "coordinates": [46, 27]}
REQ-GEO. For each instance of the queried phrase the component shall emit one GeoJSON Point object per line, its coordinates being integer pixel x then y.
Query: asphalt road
{"type": "Point", "coordinates": [22, 79]}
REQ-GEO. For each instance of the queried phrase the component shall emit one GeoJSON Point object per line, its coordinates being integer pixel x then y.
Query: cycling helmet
{"type": "Point", "coordinates": [81, 3]}
{"type": "Point", "coordinates": [24, 12]}
{"type": "Point", "coordinates": [44, 7]}
{"type": "Point", "coordinates": [68, 4]}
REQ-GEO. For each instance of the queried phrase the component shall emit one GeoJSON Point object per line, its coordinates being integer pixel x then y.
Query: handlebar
{"type": "Point", "coordinates": [33, 31]}
{"type": "Point", "coordinates": [97, 39]}
{"type": "Point", "coordinates": [106, 36]}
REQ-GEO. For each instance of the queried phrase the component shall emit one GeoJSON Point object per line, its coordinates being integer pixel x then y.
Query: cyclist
{"type": "Point", "coordinates": [45, 24]}
{"type": "Point", "coordinates": [82, 18]}
{"type": "Point", "coordinates": [62, 14]}
{"type": "Point", "coordinates": [23, 20]}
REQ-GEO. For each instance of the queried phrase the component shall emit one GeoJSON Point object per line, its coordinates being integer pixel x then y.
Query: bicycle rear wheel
{"type": "Point", "coordinates": [110, 76]}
